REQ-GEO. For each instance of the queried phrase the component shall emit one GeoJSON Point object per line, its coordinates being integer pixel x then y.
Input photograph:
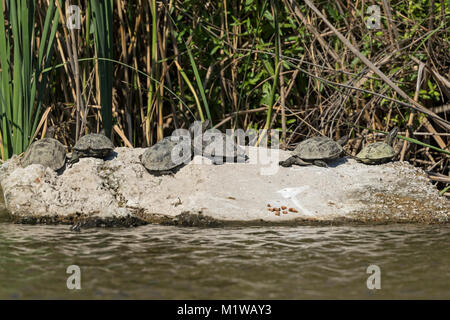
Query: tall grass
{"type": "Point", "coordinates": [103, 29]}
{"type": "Point", "coordinates": [23, 86]}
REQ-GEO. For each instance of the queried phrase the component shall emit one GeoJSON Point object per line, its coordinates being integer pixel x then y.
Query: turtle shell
{"type": "Point", "coordinates": [94, 145]}
{"type": "Point", "coordinates": [166, 155]}
{"type": "Point", "coordinates": [218, 145]}
{"type": "Point", "coordinates": [377, 152]}
{"type": "Point", "coordinates": [47, 152]}
{"type": "Point", "coordinates": [318, 148]}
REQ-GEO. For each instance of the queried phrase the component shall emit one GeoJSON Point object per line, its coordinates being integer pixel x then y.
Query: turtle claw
{"type": "Point", "coordinates": [321, 163]}
{"type": "Point", "coordinates": [288, 162]}
{"type": "Point", "coordinates": [293, 160]}
{"type": "Point", "coordinates": [282, 163]}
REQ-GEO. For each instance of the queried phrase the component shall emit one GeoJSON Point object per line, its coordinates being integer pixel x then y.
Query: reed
{"type": "Point", "coordinates": [23, 86]}
{"type": "Point", "coordinates": [103, 29]}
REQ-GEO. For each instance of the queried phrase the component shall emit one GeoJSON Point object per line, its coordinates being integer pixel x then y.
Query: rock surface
{"type": "Point", "coordinates": [119, 191]}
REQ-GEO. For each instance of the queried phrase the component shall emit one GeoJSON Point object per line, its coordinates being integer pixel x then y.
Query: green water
{"type": "Point", "coordinates": [160, 262]}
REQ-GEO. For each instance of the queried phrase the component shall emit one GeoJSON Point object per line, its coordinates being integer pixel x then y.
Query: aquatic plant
{"type": "Point", "coordinates": [103, 29]}
{"type": "Point", "coordinates": [25, 51]}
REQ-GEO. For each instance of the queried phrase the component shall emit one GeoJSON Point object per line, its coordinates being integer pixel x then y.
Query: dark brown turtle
{"type": "Point", "coordinates": [47, 152]}
{"type": "Point", "coordinates": [317, 151]}
{"type": "Point", "coordinates": [219, 147]}
{"type": "Point", "coordinates": [166, 156]}
{"type": "Point", "coordinates": [92, 145]}
{"type": "Point", "coordinates": [171, 153]}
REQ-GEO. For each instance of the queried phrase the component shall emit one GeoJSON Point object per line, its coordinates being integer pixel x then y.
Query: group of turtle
{"type": "Point", "coordinates": [164, 157]}
{"type": "Point", "coordinates": [169, 154]}
{"type": "Point", "coordinates": [51, 153]}
{"type": "Point", "coordinates": [319, 150]}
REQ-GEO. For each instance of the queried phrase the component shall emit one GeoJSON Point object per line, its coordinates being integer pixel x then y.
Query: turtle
{"type": "Point", "coordinates": [171, 153]}
{"type": "Point", "coordinates": [48, 152]}
{"type": "Point", "coordinates": [167, 156]}
{"type": "Point", "coordinates": [317, 151]}
{"type": "Point", "coordinates": [219, 148]}
{"type": "Point", "coordinates": [92, 145]}
{"type": "Point", "coordinates": [379, 152]}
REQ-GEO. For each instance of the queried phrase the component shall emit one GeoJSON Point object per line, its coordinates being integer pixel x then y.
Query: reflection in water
{"type": "Point", "coordinates": [160, 262]}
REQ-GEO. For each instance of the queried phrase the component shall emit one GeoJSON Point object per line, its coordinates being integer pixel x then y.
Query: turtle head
{"type": "Point", "coordinates": [198, 127]}
{"type": "Point", "coordinates": [75, 157]}
{"type": "Point", "coordinates": [205, 125]}
{"type": "Point", "coordinates": [343, 140]}
{"type": "Point", "coordinates": [391, 135]}
{"type": "Point", "coordinates": [50, 133]}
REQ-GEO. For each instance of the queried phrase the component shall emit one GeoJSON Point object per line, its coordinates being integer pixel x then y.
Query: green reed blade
{"type": "Point", "coordinates": [103, 11]}
{"type": "Point", "coordinates": [20, 64]}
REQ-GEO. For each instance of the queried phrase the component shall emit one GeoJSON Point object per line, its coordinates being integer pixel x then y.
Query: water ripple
{"type": "Point", "coordinates": [160, 262]}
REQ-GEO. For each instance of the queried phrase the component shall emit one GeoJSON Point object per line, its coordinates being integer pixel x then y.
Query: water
{"type": "Point", "coordinates": [160, 262]}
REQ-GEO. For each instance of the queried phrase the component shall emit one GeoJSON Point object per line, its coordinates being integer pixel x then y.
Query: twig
{"type": "Point", "coordinates": [437, 177]}
{"type": "Point", "coordinates": [411, 116]}
{"type": "Point", "coordinates": [122, 136]}
{"type": "Point", "coordinates": [414, 105]}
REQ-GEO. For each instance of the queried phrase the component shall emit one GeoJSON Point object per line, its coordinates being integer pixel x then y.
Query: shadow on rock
{"type": "Point", "coordinates": [111, 156]}
{"type": "Point", "coordinates": [337, 162]}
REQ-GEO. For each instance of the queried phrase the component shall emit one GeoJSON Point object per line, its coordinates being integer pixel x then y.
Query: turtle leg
{"type": "Point", "coordinates": [75, 158]}
{"type": "Point", "coordinates": [170, 173]}
{"type": "Point", "coordinates": [320, 163]}
{"type": "Point", "coordinates": [288, 162]}
{"type": "Point", "coordinates": [293, 160]}
{"type": "Point", "coordinates": [357, 159]}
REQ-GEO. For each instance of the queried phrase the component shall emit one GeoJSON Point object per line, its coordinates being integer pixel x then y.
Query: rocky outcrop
{"type": "Point", "coordinates": [119, 191]}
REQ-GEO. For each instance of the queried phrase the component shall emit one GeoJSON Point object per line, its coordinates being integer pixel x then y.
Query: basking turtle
{"type": "Point", "coordinates": [219, 148]}
{"type": "Point", "coordinates": [166, 156]}
{"type": "Point", "coordinates": [92, 145]}
{"type": "Point", "coordinates": [47, 152]}
{"type": "Point", "coordinates": [317, 151]}
{"type": "Point", "coordinates": [379, 152]}
{"type": "Point", "coordinates": [171, 153]}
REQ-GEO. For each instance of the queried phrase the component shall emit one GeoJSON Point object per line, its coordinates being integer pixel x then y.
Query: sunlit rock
{"type": "Point", "coordinates": [119, 191]}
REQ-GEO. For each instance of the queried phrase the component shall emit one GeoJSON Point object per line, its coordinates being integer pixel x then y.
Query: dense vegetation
{"type": "Point", "coordinates": [141, 68]}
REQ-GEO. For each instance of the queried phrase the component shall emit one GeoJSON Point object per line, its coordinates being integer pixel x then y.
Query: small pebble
{"type": "Point", "coordinates": [292, 210]}
{"type": "Point", "coordinates": [283, 207]}
{"type": "Point", "coordinates": [285, 212]}
{"type": "Point", "coordinates": [277, 213]}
